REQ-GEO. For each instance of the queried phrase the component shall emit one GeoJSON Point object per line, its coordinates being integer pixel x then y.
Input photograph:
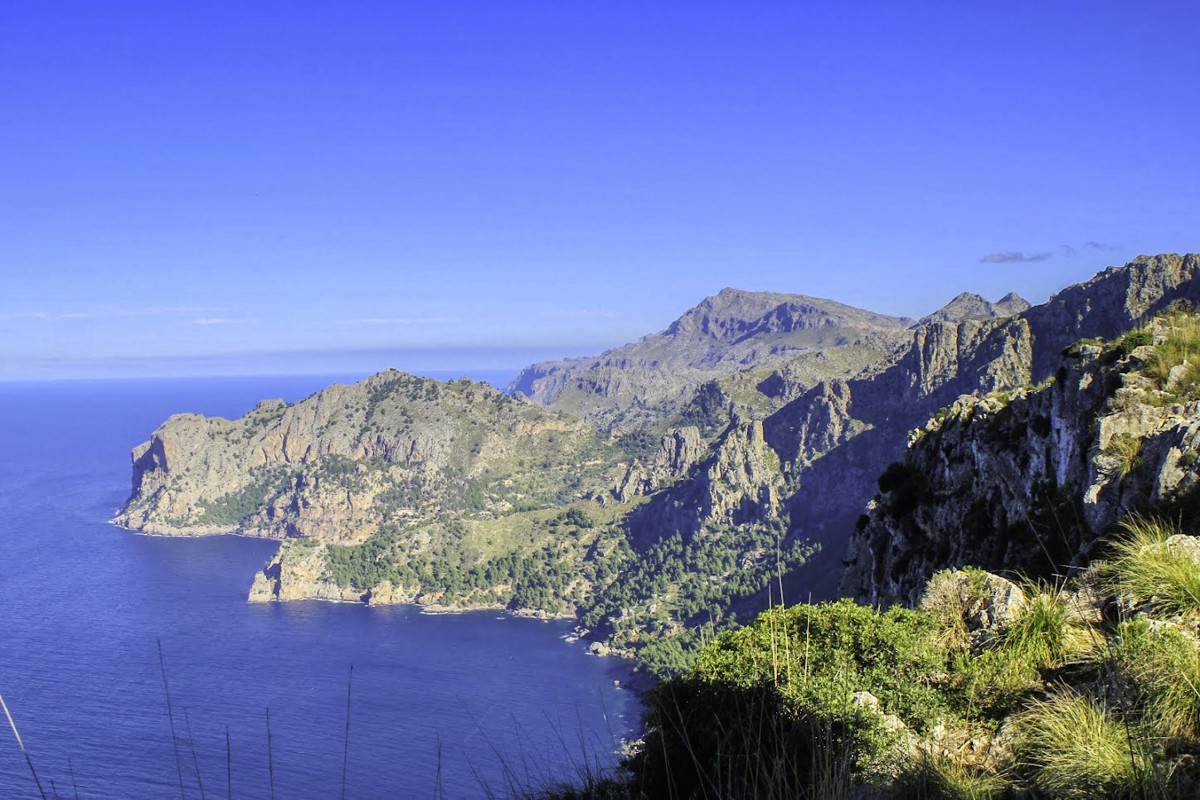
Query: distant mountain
{"type": "Point", "coordinates": [729, 333]}
{"type": "Point", "coordinates": [971, 306]}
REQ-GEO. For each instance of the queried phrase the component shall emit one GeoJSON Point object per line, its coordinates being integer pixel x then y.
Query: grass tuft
{"type": "Point", "coordinates": [1158, 670]}
{"type": "Point", "coordinates": [1149, 565]}
{"type": "Point", "coordinates": [933, 777]}
{"type": "Point", "coordinates": [1071, 746]}
{"type": "Point", "coordinates": [1127, 449]}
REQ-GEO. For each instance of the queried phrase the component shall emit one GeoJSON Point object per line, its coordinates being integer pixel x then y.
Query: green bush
{"type": "Point", "coordinates": [814, 652]}
{"type": "Point", "coordinates": [1138, 337]}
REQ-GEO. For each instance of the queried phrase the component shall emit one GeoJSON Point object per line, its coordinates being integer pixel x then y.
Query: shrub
{"type": "Point", "coordinates": [1138, 337]}
{"type": "Point", "coordinates": [1158, 670]}
{"type": "Point", "coordinates": [813, 652]}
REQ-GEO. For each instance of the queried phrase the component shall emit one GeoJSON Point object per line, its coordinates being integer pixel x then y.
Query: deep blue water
{"type": "Point", "coordinates": [438, 702]}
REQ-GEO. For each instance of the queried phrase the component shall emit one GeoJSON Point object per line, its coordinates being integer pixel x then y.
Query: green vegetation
{"type": "Point", "coordinates": [1138, 337]}
{"type": "Point", "coordinates": [839, 700]}
{"type": "Point", "coordinates": [1072, 746]}
{"type": "Point", "coordinates": [1148, 566]}
{"type": "Point", "coordinates": [232, 508]}
{"type": "Point", "coordinates": [684, 583]}
{"type": "Point", "coordinates": [1180, 347]}
{"type": "Point", "coordinates": [708, 410]}
{"type": "Point", "coordinates": [1127, 449]}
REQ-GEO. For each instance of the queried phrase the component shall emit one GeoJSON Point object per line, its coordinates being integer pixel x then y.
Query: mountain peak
{"type": "Point", "coordinates": [968, 305]}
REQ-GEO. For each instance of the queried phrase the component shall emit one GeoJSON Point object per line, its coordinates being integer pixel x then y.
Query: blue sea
{"type": "Point", "coordinates": [439, 706]}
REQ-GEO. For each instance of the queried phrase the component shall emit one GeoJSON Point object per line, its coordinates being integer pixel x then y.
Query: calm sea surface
{"type": "Point", "coordinates": [449, 704]}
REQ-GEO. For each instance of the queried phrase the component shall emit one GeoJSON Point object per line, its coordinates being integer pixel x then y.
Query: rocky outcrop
{"type": "Point", "coordinates": [679, 450]}
{"type": "Point", "coordinates": [1029, 481]}
{"type": "Point", "coordinates": [971, 306]}
{"type": "Point", "coordinates": [299, 571]}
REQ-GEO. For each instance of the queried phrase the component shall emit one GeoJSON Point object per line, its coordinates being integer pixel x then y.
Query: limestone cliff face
{"type": "Point", "coordinates": [837, 438]}
{"type": "Point", "coordinates": [735, 480]}
{"type": "Point", "coordinates": [338, 464]}
{"type": "Point", "coordinates": [1029, 481]}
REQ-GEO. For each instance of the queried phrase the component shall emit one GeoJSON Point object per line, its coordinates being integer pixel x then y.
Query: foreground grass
{"type": "Point", "coordinates": [836, 700]}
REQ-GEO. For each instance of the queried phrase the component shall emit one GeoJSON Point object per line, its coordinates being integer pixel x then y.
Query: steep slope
{"type": "Point", "coordinates": [729, 333]}
{"type": "Point", "coordinates": [836, 438]}
{"type": "Point", "coordinates": [338, 464]}
{"type": "Point", "coordinates": [401, 489]}
{"type": "Point", "coordinates": [1029, 482]}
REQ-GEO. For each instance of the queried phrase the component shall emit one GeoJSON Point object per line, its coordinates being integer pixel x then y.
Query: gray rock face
{"type": "Point", "coordinates": [334, 465]}
{"type": "Point", "coordinates": [1028, 481]}
{"type": "Point", "coordinates": [679, 450]}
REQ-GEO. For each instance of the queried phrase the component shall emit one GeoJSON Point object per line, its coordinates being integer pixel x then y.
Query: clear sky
{"type": "Point", "coordinates": [230, 187]}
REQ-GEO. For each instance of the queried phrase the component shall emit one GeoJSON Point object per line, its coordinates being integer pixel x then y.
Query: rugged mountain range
{"type": "Point", "coordinates": [657, 487]}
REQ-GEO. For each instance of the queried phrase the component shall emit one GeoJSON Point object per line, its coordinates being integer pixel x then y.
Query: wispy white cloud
{"type": "Point", "coordinates": [595, 313]}
{"type": "Point", "coordinates": [1013, 258]}
{"type": "Point", "coordinates": [1101, 246]}
{"type": "Point", "coordinates": [398, 321]}
{"type": "Point", "coordinates": [109, 312]}
{"type": "Point", "coordinates": [216, 321]}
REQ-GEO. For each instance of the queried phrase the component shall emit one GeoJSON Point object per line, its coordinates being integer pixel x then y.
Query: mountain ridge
{"type": "Point", "coordinates": [642, 517]}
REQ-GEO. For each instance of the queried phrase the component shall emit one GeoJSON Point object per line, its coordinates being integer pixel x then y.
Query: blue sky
{"type": "Point", "coordinates": [221, 187]}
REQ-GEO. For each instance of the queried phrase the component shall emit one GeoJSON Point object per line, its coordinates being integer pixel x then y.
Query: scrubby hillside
{"type": "Point", "coordinates": [1032, 624]}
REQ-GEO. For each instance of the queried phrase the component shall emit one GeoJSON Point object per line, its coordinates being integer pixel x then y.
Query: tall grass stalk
{"type": "Point", "coordinates": [187, 720]}
{"type": "Point", "coordinates": [270, 757]}
{"type": "Point", "coordinates": [346, 745]}
{"type": "Point", "coordinates": [21, 745]}
{"type": "Point", "coordinates": [171, 719]}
